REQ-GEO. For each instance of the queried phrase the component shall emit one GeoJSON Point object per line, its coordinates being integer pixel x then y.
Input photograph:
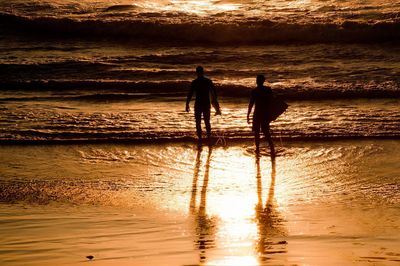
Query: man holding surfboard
{"type": "Point", "coordinates": [203, 88]}
{"type": "Point", "coordinates": [267, 108]}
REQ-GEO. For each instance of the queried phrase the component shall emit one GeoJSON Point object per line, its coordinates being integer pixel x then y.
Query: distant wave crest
{"type": "Point", "coordinates": [243, 32]}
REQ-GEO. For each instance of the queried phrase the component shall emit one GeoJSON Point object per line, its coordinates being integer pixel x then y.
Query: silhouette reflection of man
{"type": "Point", "coordinates": [261, 97]}
{"type": "Point", "coordinates": [204, 225]}
{"type": "Point", "coordinates": [203, 88]}
{"type": "Point", "coordinates": [269, 222]}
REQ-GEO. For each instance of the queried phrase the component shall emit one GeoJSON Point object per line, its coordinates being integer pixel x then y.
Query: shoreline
{"type": "Point", "coordinates": [190, 139]}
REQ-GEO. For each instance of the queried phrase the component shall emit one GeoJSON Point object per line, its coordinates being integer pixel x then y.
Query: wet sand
{"type": "Point", "coordinates": [317, 203]}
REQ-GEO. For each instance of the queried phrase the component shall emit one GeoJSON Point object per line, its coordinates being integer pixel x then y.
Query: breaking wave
{"type": "Point", "coordinates": [241, 32]}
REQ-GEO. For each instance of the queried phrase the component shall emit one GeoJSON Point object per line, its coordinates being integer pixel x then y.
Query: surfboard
{"type": "Point", "coordinates": [276, 107]}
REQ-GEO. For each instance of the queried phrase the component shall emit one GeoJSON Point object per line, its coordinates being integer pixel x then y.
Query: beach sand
{"type": "Point", "coordinates": [318, 203]}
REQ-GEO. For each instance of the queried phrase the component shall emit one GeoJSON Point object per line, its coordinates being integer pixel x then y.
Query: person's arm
{"type": "Point", "coordinates": [214, 99]}
{"type": "Point", "coordinates": [189, 98]}
{"type": "Point", "coordinates": [251, 103]}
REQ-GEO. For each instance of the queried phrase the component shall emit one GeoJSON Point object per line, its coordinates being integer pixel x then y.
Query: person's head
{"type": "Point", "coordinates": [260, 80]}
{"type": "Point", "coordinates": [199, 71]}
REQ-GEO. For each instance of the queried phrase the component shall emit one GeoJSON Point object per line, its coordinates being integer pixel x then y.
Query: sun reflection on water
{"type": "Point", "coordinates": [246, 224]}
{"type": "Point", "coordinates": [197, 7]}
{"type": "Point", "coordinates": [248, 208]}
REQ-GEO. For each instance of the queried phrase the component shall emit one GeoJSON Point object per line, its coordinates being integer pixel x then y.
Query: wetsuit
{"type": "Point", "coordinates": [261, 97]}
{"type": "Point", "coordinates": [202, 87]}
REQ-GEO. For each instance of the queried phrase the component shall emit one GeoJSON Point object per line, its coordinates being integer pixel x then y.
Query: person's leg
{"type": "Point", "coordinates": [206, 115]}
{"type": "Point", "coordinates": [256, 130]}
{"type": "Point", "coordinates": [266, 130]}
{"type": "Point", "coordinates": [197, 116]}
{"type": "Point", "coordinates": [257, 139]}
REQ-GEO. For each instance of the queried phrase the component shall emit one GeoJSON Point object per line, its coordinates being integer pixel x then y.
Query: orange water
{"type": "Point", "coordinates": [152, 204]}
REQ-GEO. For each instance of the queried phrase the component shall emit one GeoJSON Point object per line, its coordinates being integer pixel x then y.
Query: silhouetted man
{"type": "Point", "coordinates": [261, 97]}
{"type": "Point", "coordinates": [203, 88]}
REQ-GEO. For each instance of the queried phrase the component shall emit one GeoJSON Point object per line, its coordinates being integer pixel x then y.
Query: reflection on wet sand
{"type": "Point", "coordinates": [269, 221]}
{"type": "Point", "coordinates": [205, 226]}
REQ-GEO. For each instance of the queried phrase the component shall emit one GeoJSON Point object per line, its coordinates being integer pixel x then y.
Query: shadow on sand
{"type": "Point", "coordinates": [269, 221]}
{"type": "Point", "coordinates": [205, 226]}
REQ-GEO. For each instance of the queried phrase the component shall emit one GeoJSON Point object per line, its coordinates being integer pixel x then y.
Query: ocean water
{"type": "Point", "coordinates": [95, 91]}
{"type": "Point", "coordinates": [78, 70]}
